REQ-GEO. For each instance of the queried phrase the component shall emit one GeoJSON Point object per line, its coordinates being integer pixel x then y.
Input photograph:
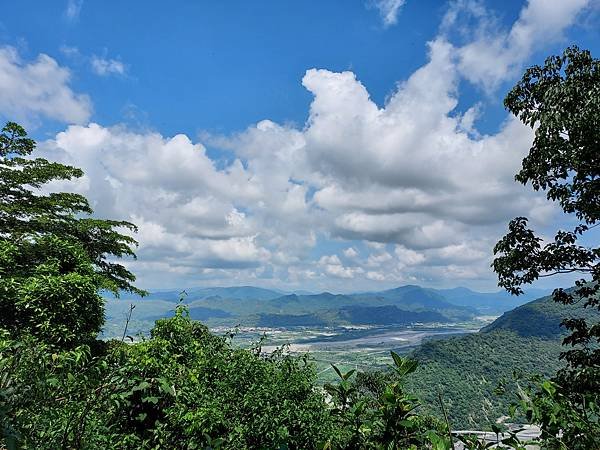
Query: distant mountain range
{"type": "Point", "coordinates": [490, 302]}
{"type": "Point", "coordinates": [254, 306]}
{"type": "Point", "coordinates": [494, 302]}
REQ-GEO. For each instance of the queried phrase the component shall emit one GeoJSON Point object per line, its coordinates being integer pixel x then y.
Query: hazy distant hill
{"type": "Point", "coordinates": [416, 298]}
{"type": "Point", "coordinates": [249, 305]}
{"type": "Point", "coordinates": [239, 292]}
{"type": "Point", "coordinates": [335, 309]}
{"type": "Point", "coordinates": [489, 302]}
{"type": "Point", "coordinates": [467, 369]}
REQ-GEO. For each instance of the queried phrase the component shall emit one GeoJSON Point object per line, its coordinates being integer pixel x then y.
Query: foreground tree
{"type": "Point", "coordinates": [54, 258]}
{"type": "Point", "coordinates": [561, 102]}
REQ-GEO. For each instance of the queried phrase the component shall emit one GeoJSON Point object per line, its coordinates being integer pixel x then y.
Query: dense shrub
{"type": "Point", "coordinates": [47, 285]}
{"type": "Point", "coordinates": [182, 388]}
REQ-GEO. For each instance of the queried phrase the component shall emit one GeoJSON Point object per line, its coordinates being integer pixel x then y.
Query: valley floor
{"type": "Point", "coordinates": [363, 348]}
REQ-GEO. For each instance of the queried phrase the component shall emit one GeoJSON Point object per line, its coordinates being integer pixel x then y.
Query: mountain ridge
{"type": "Point", "coordinates": [251, 305]}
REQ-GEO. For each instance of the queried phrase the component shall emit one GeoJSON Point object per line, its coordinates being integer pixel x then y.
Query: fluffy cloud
{"type": "Point", "coordinates": [495, 54]}
{"type": "Point", "coordinates": [389, 10]}
{"type": "Point", "coordinates": [415, 173]}
{"type": "Point", "coordinates": [350, 253]}
{"type": "Point", "coordinates": [191, 215]}
{"type": "Point", "coordinates": [40, 88]}
{"type": "Point", "coordinates": [334, 267]}
{"type": "Point", "coordinates": [407, 173]}
{"type": "Point", "coordinates": [411, 189]}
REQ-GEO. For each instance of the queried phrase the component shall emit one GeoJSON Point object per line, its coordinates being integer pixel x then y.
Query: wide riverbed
{"type": "Point", "coordinates": [347, 339]}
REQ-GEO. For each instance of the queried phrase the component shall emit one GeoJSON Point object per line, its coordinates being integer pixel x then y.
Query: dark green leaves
{"type": "Point", "coordinates": [14, 141]}
{"type": "Point", "coordinates": [53, 259]}
{"type": "Point", "coordinates": [561, 102]}
{"type": "Point", "coordinates": [403, 366]}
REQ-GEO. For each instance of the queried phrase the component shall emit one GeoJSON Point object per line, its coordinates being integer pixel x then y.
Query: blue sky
{"type": "Point", "coordinates": [341, 145]}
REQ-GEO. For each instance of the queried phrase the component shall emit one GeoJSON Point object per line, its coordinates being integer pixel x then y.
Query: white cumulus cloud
{"type": "Point", "coordinates": [494, 54]}
{"type": "Point", "coordinates": [31, 90]}
{"type": "Point", "coordinates": [405, 192]}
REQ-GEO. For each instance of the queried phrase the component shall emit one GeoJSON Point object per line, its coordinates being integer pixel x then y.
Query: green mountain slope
{"type": "Point", "coordinates": [351, 315]}
{"type": "Point", "coordinates": [387, 315]}
{"type": "Point", "coordinates": [416, 298]}
{"type": "Point", "coordinates": [540, 318]}
{"type": "Point", "coordinates": [466, 370]}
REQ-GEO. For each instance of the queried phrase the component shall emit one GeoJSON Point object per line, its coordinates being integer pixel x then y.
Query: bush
{"type": "Point", "coordinates": [182, 388]}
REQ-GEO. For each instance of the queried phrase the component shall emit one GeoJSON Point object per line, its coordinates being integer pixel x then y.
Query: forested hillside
{"type": "Point", "coordinates": [540, 318]}
{"type": "Point", "coordinates": [468, 370]}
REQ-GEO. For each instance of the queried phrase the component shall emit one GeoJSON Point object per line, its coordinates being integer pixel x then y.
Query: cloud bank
{"type": "Point", "coordinates": [361, 195]}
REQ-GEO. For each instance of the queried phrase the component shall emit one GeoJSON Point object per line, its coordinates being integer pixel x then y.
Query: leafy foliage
{"type": "Point", "coordinates": [561, 102]}
{"type": "Point", "coordinates": [569, 422]}
{"type": "Point", "coordinates": [47, 285]}
{"type": "Point", "coordinates": [384, 417]}
{"type": "Point", "coordinates": [186, 388]}
{"type": "Point", "coordinates": [183, 388]}
{"type": "Point", "coordinates": [26, 211]}
{"type": "Point", "coordinates": [53, 262]}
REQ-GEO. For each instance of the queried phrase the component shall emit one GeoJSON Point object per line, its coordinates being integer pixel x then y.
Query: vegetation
{"type": "Point", "coordinates": [479, 375]}
{"type": "Point", "coordinates": [561, 102]}
{"type": "Point", "coordinates": [52, 261]}
{"type": "Point", "coordinates": [183, 388]}
{"type": "Point", "coordinates": [541, 318]}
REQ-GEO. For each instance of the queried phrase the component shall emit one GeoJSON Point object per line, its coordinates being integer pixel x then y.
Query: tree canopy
{"type": "Point", "coordinates": [54, 258]}
{"type": "Point", "coordinates": [561, 102]}
{"type": "Point", "coordinates": [26, 211]}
